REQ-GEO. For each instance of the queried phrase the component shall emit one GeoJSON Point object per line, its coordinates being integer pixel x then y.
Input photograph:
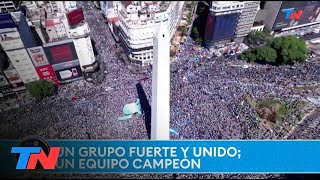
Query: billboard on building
{"type": "Point", "coordinates": [12, 76]}
{"type": "Point", "coordinates": [38, 56]}
{"type": "Point", "coordinates": [295, 13]}
{"type": "Point", "coordinates": [224, 26]}
{"type": "Point", "coordinates": [21, 61]}
{"type": "Point", "coordinates": [6, 21]}
{"type": "Point", "coordinates": [75, 16]}
{"type": "Point", "coordinates": [69, 73]}
{"type": "Point", "coordinates": [47, 73]}
{"type": "Point", "coordinates": [60, 53]}
{"type": "Point", "coordinates": [209, 27]}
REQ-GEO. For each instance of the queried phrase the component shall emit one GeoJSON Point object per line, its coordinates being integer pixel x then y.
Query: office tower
{"type": "Point", "coordinates": [222, 22]}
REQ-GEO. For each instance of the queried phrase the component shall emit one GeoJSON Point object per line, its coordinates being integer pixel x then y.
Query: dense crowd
{"type": "Point", "coordinates": [207, 100]}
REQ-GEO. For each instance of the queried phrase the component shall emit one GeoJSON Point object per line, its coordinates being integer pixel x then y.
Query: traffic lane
{"type": "Point", "coordinates": [310, 36]}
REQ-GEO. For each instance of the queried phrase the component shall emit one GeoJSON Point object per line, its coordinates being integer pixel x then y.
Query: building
{"type": "Point", "coordinates": [110, 11]}
{"type": "Point", "coordinates": [222, 22]}
{"type": "Point", "coordinates": [9, 6]}
{"type": "Point", "coordinates": [15, 37]}
{"type": "Point", "coordinates": [281, 16]}
{"type": "Point", "coordinates": [65, 37]}
{"type": "Point", "coordinates": [257, 26]}
{"type": "Point", "coordinates": [15, 41]}
{"type": "Point", "coordinates": [136, 26]}
{"type": "Point", "coordinates": [229, 21]}
{"type": "Point", "coordinates": [246, 19]}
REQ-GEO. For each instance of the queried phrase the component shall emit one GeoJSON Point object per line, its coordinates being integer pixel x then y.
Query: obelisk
{"type": "Point", "coordinates": [160, 112]}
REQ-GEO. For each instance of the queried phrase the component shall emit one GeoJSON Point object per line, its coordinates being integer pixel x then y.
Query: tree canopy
{"type": "Point", "coordinates": [279, 50]}
{"type": "Point", "coordinates": [248, 56]}
{"type": "Point", "coordinates": [259, 38]}
{"type": "Point", "coordinates": [195, 32]}
{"type": "Point", "coordinates": [290, 49]}
{"type": "Point", "coordinates": [266, 54]}
{"type": "Point", "coordinates": [41, 88]}
{"type": "Point", "coordinates": [184, 30]}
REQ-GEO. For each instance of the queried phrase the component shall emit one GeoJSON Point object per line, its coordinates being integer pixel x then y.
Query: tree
{"type": "Point", "coordinates": [189, 17]}
{"type": "Point", "coordinates": [248, 56]}
{"type": "Point", "coordinates": [202, 10]}
{"type": "Point", "coordinates": [199, 40]}
{"type": "Point", "coordinates": [259, 38]}
{"type": "Point", "coordinates": [290, 49]}
{"type": "Point", "coordinates": [183, 31]}
{"type": "Point", "coordinates": [266, 54]}
{"type": "Point", "coordinates": [195, 32]}
{"type": "Point", "coordinates": [41, 88]}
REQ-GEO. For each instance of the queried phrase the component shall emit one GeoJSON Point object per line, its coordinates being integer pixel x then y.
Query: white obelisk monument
{"type": "Point", "coordinates": [160, 109]}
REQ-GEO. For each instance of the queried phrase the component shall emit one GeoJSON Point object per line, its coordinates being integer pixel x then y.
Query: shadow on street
{"type": "Point", "coordinates": [146, 108]}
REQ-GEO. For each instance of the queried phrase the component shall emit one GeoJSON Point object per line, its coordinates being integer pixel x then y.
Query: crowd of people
{"type": "Point", "coordinates": [208, 100]}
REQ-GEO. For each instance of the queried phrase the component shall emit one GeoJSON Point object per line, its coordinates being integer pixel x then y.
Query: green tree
{"type": "Point", "coordinates": [199, 40]}
{"type": "Point", "coordinates": [266, 54]}
{"type": "Point", "coordinates": [248, 56]}
{"type": "Point", "coordinates": [259, 38]}
{"type": "Point", "coordinates": [201, 10]}
{"type": "Point", "coordinates": [189, 17]}
{"type": "Point", "coordinates": [41, 88]}
{"type": "Point", "coordinates": [195, 32]}
{"type": "Point", "coordinates": [290, 49]}
{"type": "Point", "coordinates": [183, 31]}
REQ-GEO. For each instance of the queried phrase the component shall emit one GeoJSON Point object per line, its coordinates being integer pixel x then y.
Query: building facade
{"type": "Point", "coordinates": [17, 67]}
{"type": "Point", "coordinates": [229, 21]}
{"type": "Point", "coordinates": [65, 36]}
{"type": "Point", "coordinates": [137, 22]}
{"type": "Point", "coordinates": [8, 6]}
{"type": "Point", "coordinates": [246, 19]}
{"type": "Point", "coordinates": [222, 22]}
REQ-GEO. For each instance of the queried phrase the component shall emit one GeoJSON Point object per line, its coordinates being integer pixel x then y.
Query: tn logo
{"type": "Point", "coordinates": [291, 14]}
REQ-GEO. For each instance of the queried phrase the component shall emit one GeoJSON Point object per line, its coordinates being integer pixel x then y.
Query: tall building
{"type": "Point", "coordinates": [280, 16]}
{"type": "Point", "coordinates": [110, 11]}
{"type": "Point", "coordinates": [246, 19]}
{"type": "Point", "coordinates": [14, 42]}
{"type": "Point", "coordinates": [9, 6]}
{"type": "Point", "coordinates": [137, 21]}
{"type": "Point", "coordinates": [222, 22]}
{"type": "Point", "coordinates": [160, 114]}
{"type": "Point", "coordinates": [230, 21]}
{"type": "Point", "coordinates": [15, 38]}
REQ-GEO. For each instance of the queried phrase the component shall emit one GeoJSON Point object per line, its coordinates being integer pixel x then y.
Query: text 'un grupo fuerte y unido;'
{"type": "Point", "coordinates": [140, 158]}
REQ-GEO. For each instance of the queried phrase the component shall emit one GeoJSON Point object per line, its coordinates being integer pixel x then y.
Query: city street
{"type": "Point", "coordinates": [309, 128]}
{"type": "Point", "coordinates": [206, 97]}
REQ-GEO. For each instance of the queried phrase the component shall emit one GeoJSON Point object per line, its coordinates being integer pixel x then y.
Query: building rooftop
{"type": "Point", "coordinates": [164, 5]}
{"type": "Point", "coordinates": [147, 8]}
